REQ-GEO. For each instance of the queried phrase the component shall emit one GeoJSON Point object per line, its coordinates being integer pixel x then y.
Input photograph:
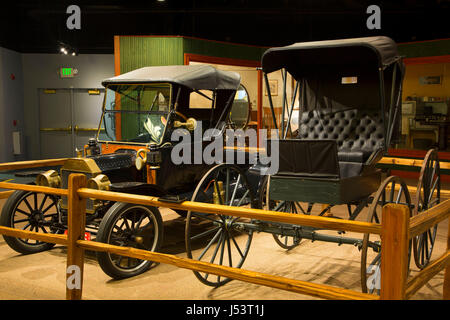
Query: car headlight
{"type": "Point", "coordinates": [49, 178]}
{"type": "Point", "coordinates": [99, 182]}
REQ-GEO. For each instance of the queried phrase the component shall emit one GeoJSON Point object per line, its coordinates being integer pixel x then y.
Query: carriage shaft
{"type": "Point", "coordinates": [302, 232]}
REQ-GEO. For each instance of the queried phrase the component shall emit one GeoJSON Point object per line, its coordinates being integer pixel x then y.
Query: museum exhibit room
{"type": "Point", "coordinates": [225, 156]}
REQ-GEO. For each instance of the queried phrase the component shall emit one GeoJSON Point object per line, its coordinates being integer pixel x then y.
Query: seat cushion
{"type": "Point", "coordinates": [357, 132]}
{"type": "Point", "coordinates": [351, 156]}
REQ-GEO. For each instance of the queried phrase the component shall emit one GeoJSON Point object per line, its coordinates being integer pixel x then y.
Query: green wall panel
{"type": "Point", "coordinates": [425, 49]}
{"type": "Point", "coordinates": [138, 52]}
{"type": "Point", "coordinates": [222, 50]}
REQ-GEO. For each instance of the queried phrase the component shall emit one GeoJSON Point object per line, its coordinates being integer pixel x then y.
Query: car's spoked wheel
{"type": "Point", "coordinates": [215, 238]}
{"type": "Point", "coordinates": [428, 195]}
{"type": "Point", "coordinates": [285, 241]}
{"type": "Point", "coordinates": [392, 190]}
{"type": "Point", "coordinates": [37, 212]}
{"type": "Point", "coordinates": [129, 225]}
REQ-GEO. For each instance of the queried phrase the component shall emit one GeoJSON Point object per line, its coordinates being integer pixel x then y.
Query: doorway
{"type": "Point", "coordinates": [67, 119]}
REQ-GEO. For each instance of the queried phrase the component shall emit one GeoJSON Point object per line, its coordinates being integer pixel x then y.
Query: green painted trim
{"type": "Point", "coordinates": [222, 50]}
{"type": "Point", "coordinates": [424, 49]}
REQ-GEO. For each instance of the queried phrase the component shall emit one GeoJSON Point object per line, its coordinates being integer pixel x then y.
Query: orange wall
{"type": "Point", "coordinates": [411, 85]}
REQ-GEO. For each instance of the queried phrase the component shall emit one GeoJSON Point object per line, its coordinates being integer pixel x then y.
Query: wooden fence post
{"type": "Point", "coordinates": [394, 252]}
{"type": "Point", "coordinates": [76, 227]}
{"type": "Point", "coordinates": [446, 291]}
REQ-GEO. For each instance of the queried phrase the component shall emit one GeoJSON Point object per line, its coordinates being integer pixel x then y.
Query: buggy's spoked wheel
{"type": "Point", "coordinates": [284, 241]}
{"type": "Point", "coordinates": [30, 211]}
{"type": "Point", "coordinates": [129, 225]}
{"type": "Point", "coordinates": [392, 190]}
{"type": "Point", "coordinates": [215, 238]}
{"type": "Point", "coordinates": [428, 195]}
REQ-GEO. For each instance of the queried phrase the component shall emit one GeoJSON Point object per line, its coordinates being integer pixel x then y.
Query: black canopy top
{"type": "Point", "coordinates": [378, 52]}
{"type": "Point", "coordinates": [196, 77]}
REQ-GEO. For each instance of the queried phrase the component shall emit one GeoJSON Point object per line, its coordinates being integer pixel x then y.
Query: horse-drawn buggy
{"type": "Point", "coordinates": [349, 94]}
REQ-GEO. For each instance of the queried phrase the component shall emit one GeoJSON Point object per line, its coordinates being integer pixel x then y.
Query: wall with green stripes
{"type": "Point", "coordinates": [138, 52]}
{"type": "Point", "coordinates": [425, 49]}
{"type": "Point", "coordinates": [141, 51]}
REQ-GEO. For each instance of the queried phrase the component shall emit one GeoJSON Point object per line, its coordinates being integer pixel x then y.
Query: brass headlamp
{"type": "Point", "coordinates": [49, 178]}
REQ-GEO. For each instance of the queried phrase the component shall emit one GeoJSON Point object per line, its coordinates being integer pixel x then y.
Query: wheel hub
{"type": "Point", "coordinates": [36, 217]}
{"type": "Point", "coordinates": [228, 223]}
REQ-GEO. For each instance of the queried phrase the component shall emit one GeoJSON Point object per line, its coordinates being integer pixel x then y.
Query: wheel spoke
{"type": "Point", "coordinates": [26, 226]}
{"type": "Point", "coordinates": [25, 213]}
{"type": "Point", "coordinates": [127, 226]}
{"type": "Point", "coordinates": [243, 198]}
{"type": "Point", "coordinates": [205, 216]}
{"type": "Point", "coordinates": [376, 260]}
{"type": "Point", "coordinates": [391, 195]}
{"type": "Point", "coordinates": [219, 233]}
{"type": "Point", "coordinates": [399, 194]}
{"type": "Point", "coordinates": [279, 205]}
{"type": "Point", "coordinates": [203, 234]}
{"type": "Point", "coordinates": [235, 189]}
{"type": "Point", "coordinates": [138, 224]}
{"type": "Point", "coordinates": [49, 206]}
{"type": "Point", "coordinates": [28, 205]}
{"type": "Point", "coordinates": [432, 192]}
{"type": "Point", "coordinates": [35, 200]}
{"type": "Point", "coordinates": [237, 247]}
{"type": "Point", "coordinates": [227, 186]}
{"type": "Point", "coordinates": [230, 260]}
{"type": "Point", "coordinates": [43, 202]}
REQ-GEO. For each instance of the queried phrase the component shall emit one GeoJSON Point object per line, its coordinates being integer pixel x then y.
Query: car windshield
{"type": "Point", "coordinates": [135, 113]}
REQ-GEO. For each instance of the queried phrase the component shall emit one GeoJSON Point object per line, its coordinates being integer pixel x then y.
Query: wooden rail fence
{"type": "Point", "coordinates": [396, 230]}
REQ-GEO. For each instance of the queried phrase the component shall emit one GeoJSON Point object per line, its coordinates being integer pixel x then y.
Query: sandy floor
{"type": "Point", "coordinates": [42, 275]}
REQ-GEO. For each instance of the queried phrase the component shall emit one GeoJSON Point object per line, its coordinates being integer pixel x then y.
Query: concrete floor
{"type": "Point", "coordinates": [42, 275]}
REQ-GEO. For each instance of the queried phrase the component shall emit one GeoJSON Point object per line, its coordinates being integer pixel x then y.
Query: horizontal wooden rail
{"type": "Point", "coordinates": [425, 275]}
{"type": "Point", "coordinates": [429, 218]}
{"type": "Point", "coordinates": [25, 234]}
{"type": "Point", "coordinates": [33, 188]}
{"type": "Point", "coordinates": [264, 215]}
{"type": "Point", "coordinates": [410, 162]}
{"type": "Point", "coordinates": [31, 164]}
{"type": "Point", "coordinates": [413, 190]}
{"type": "Point", "coordinates": [396, 219]}
{"type": "Point", "coordinates": [298, 286]}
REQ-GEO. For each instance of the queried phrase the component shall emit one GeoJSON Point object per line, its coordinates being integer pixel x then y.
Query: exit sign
{"type": "Point", "coordinates": [67, 72]}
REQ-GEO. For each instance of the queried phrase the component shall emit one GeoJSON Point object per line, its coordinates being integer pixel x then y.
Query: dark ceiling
{"type": "Point", "coordinates": [37, 26]}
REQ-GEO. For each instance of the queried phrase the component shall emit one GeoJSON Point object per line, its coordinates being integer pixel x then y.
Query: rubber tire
{"type": "Point", "coordinates": [5, 220]}
{"type": "Point", "coordinates": [108, 221]}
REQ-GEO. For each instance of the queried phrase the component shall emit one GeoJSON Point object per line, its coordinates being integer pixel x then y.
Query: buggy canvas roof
{"type": "Point", "coordinates": [198, 77]}
{"type": "Point", "coordinates": [377, 51]}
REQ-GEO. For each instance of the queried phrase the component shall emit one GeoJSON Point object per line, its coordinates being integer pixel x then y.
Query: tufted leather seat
{"type": "Point", "coordinates": [358, 134]}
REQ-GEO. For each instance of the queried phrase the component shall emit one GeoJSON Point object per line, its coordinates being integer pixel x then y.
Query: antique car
{"type": "Point", "coordinates": [132, 153]}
